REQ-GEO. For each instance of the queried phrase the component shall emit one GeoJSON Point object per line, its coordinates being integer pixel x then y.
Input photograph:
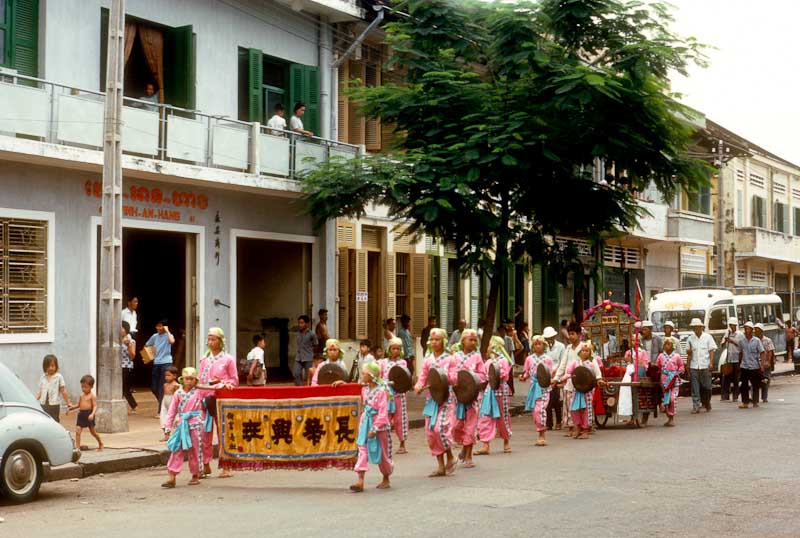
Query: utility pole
{"type": "Point", "coordinates": [112, 410]}
{"type": "Point", "coordinates": [720, 151]}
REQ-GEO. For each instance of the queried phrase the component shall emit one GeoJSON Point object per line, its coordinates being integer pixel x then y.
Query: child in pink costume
{"type": "Point", "coordinates": [538, 396]}
{"type": "Point", "coordinates": [672, 367]}
{"type": "Point", "coordinates": [399, 416]}
{"type": "Point", "coordinates": [495, 411]}
{"type": "Point", "coordinates": [466, 416]}
{"type": "Point", "coordinates": [187, 409]}
{"type": "Point", "coordinates": [581, 404]}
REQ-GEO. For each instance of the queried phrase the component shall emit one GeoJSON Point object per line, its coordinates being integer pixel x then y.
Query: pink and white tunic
{"type": "Point", "coordinates": [582, 417]}
{"type": "Point", "coordinates": [465, 418]}
{"type": "Point", "coordinates": [538, 396]}
{"type": "Point", "coordinates": [223, 367]}
{"type": "Point", "coordinates": [314, 381]}
{"type": "Point", "coordinates": [488, 426]}
{"type": "Point", "coordinates": [375, 417]}
{"type": "Point", "coordinates": [400, 416]}
{"type": "Point", "coordinates": [186, 406]}
{"type": "Point", "coordinates": [671, 369]}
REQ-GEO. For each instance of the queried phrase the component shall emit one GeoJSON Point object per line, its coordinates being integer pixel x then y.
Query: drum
{"type": "Point", "coordinates": [468, 387]}
{"type": "Point", "coordinates": [726, 369]}
{"type": "Point", "coordinates": [583, 379]}
{"type": "Point", "coordinates": [494, 375]}
{"type": "Point", "coordinates": [543, 375]}
{"type": "Point", "coordinates": [400, 379]}
{"type": "Point", "coordinates": [438, 385]}
{"type": "Point", "coordinates": [330, 372]}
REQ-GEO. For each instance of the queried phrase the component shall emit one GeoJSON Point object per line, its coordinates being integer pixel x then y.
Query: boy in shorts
{"type": "Point", "coordinates": [87, 409]}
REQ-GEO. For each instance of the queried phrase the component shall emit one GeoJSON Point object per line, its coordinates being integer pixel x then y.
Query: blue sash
{"type": "Point", "coordinates": [578, 401]}
{"type": "Point", "coordinates": [431, 410]}
{"type": "Point", "coordinates": [372, 444]}
{"type": "Point", "coordinates": [668, 392]}
{"type": "Point", "coordinates": [208, 421]}
{"type": "Point", "coordinates": [534, 393]}
{"type": "Point", "coordinates": [461, 411]}
{"type": "Point", "coordinates": [180, 438]}
{"type": "Point", "coordinates": [392, 404]}
{"type": "Point", "coordinates": [489, 407]}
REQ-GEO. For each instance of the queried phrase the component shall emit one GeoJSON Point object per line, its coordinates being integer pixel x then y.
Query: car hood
{"type": "Point", "coordinates": [12, 389]}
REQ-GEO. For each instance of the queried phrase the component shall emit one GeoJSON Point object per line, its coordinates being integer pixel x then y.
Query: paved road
{"type": "Point", "coordinates": [727, 473]}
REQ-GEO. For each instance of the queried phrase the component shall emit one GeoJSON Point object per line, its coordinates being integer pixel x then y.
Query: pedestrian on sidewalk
{"type": "Point", "coordinates": [768, 363]}
{"type": "Point", "coordinates": [321, 331]}
{"type": "Point", "coordinates": [438, 426]}
{"type": "Point", "coordinates": [256, 369]}
{"type": "Point", "coordinates": [187, 409]}
{"type": "Point", "coordinates": [538, 399]}
{"type": "Point", "coordinates": [51, 388]}
{"type": "Point", "coordinates": [374, 428]}
{"type": "Point", "coordinates": [791, 336]}
{"type": "Point", "coordinates": [404, 333]}
{"type": "Point", "coordinates": [700, 347]}
{"type": "Point", "coordinates": [127, 353]}
{"type": "Point", "coordinates": [162, 340]}
{"type": "Point", "coordinates": [87, 411]}
{"type": "Point", "coordinates": [733, 344]}
{"type": "Point", "coordinates": [170, 387]}
{"type": "Point", "coordinates": [217, 370]}
{"type": "Point", "coordinates": [556, 351]}
{"type": "Point", "coordinates": [306, 341]}
{"type": "Point", "coordinates": [752, 369]}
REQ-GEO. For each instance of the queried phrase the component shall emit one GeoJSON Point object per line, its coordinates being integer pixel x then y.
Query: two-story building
{"type": "Point", "coordinates": [214, 231]}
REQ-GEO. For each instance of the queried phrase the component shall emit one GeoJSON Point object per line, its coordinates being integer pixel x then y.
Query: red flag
{"type": "Point", "coordinates": [638, 301]}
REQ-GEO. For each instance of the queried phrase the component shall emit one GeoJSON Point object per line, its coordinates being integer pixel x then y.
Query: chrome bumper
{"type": "Point", "coordinates": [76, 455]}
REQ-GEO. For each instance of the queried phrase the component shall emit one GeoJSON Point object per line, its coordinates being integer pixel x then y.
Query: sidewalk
{"type": "Point", "coordinates": [140, 447]}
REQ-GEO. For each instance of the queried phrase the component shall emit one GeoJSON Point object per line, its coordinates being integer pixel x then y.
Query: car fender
{"type": "Point", "coordinates": [21, 423]}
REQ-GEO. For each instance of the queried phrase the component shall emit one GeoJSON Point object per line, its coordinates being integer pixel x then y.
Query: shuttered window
{"type": "Point", "coordinates": [344, 293]}
{"type": "Point", "coordinates": [19, 36]}
{"type": "Point", "coordinates": [372, 126]}
{"type": "Point", "coordinates": [797, 221]}
{"type": "Point", "coordinates": [781, 218]}
{"type": "Point", "coordinates": [304, 88]}
{"type": "Point", "coordinates": [402, 284]}
{"type": "Point", "coordinates": [759, 212]}
{"type": "Point", "coordinates": [419, 292]}
{"type": "Point", "coordinates": [23, 276]}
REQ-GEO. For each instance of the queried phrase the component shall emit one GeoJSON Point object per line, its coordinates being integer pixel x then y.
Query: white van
{"type": "Point", "coordinates": [714, 306]}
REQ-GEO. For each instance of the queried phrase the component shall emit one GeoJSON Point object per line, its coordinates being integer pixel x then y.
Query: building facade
{"type": "Point", "coordinates": [215, 231]}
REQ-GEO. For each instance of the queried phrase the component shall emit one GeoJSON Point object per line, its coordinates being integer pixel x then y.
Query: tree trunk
{"type": "Point", "coordinates": [491, 309]}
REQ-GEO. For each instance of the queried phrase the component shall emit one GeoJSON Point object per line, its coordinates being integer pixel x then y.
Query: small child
{"type": "Point", "coordinates": [374, 429]}
{"type": "Point", "coordinates": [538, 396]}
{"type": "Point", "coordinates": [169, 390]}
{"type": "Point", "coordinates": [87, 410]}
{"type": "Point", "coordinates": [377, 353]}
{"type": "Point", "coordinates": [398, 413]}
{"type": "Point", "coordinates": [581, 405]}
{"type": "Point", "coordinates": [364, 356]}
{"type": "Point", "coordinates": [187, 408]}
{"type": "Point", "coordinates": [51, 384]}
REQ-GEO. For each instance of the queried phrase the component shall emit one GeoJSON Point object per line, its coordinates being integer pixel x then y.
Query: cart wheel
{"type": "Point", "coordinates": [601, 424]}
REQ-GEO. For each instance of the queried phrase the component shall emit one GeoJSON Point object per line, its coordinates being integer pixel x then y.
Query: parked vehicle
{"type": "Point", "coordinates": [28, 438]}
{"type": "Point", "coordinates": [714, 306]}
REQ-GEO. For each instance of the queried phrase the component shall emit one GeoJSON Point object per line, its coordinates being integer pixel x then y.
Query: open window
{"type": "Point", "coordinates": [155, 54]}
{"type": "Point", "coordinates": [265, 81]}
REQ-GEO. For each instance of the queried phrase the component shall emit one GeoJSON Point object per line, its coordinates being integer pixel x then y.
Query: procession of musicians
{"type": "Point", "coordinates": [468, 394]}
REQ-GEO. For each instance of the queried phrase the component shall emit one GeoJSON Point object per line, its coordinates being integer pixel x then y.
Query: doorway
{"type": "Point", "coordinates": [374, 303]}
{"type": "Point", "coordinates": [273, 288]}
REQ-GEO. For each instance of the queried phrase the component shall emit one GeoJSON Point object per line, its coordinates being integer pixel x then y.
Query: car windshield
{"type": "Point", "coordinates": [681, 318]}
{"type": "Point", "coordinates": [12, 389]}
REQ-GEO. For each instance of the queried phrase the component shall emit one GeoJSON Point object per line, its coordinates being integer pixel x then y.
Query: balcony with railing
{"type": "Point", "coordinates": [156, 138]}
{"type": "Point", "coordinates": [754, 242]}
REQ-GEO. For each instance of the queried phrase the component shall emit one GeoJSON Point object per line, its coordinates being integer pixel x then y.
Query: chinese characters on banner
{"type": "Point", "coordinates": [289, 427]}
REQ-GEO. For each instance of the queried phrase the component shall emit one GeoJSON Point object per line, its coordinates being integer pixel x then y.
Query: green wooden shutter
{"type": "Point", "coordinates": [25, 37]}
{"type": "Point", "coordinates": [255, 78]}
{"type": "Point", "coordinates": [550, 292]}
{"type": "Point", "coordinates": [297, 86]}
{"type": "Point", "coordinates": [312, 116]}
{"type": "Point", "coordinates": [538, 285]}
{"type": "Point", "coordinates": [179, 67]}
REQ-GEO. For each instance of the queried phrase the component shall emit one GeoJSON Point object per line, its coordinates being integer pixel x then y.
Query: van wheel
{"type": "Point", "coordinates": [21, 474]}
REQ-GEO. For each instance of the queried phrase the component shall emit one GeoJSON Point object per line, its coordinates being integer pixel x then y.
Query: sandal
{"type": "Point", "coordinates": [541, 442]}
{"type": "Point", "coordinates": [507, 450]}
{"type": "Point", "coordinates": [168, 484]}
{"type": "Point", "coordinates": [401, 451]}
{"type": "Point", "coordinates": [450, 469]}
{"type": "Point", "coordinates": [468, 465]}
{"type": "Point", "coordinates": [481, 452]}
{"type": "Point", "coordinates": [437, 473]}
{"type": "Point", "coordinates": [355, 488]}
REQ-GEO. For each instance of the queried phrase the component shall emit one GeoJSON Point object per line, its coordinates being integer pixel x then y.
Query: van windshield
{"type": "Point", "coordinates": [681, 318]}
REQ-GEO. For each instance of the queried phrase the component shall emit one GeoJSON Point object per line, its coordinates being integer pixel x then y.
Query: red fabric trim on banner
{"type": "Point", "coordinates": [280, 393]}
{"type": "Point", "coordinates": [316, 465]}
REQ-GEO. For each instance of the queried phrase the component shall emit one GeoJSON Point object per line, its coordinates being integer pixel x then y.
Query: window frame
{"type": "Point", "coordinates": [47, 336]}
{"type": "Point", "coordinates": [5, 25]}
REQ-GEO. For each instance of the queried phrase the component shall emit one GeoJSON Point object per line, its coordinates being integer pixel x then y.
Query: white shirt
{"type": "Point", "coordinates": [131, 317]}
{"type": "Point", "coordinates": [569, 356]}
{"type": "Point", "coordinates": [556, 352]}
{"type": "Point", "coordinates": [455, 337]}
{"type": "Point", "coordinates": [296, 123]}
{"type": "Point", "coordinates": [50, 389]}
{"type": "Point", "coordinates": [256, 354]}
{"type": "Point", "coordinates": [277, 122]}
{"type": "Point", "coordinates": [702, 347]}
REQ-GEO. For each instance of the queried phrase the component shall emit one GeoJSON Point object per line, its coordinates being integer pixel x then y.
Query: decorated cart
{"type": "Point", "coordinates": [613, 330]}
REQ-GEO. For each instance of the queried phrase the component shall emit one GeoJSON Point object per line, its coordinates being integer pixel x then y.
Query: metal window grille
{"type": "Point", "coordinates": [23, 276]}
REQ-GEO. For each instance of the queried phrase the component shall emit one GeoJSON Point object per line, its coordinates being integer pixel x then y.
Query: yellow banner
{"type": "Point", "coordinates": [289, 433]}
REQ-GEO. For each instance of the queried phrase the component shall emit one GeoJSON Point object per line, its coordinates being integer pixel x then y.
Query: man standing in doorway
{"type": "Point", "coordinates": [733, 344]}
{"type": "Point", "coordinates": [306, 340]}
{"type": "Point", "coordinates": [751, 366]}
{"type": "Point", "coordinates": [556, 352]}
{"type": "Point", "coordinates": [130, 315]}
{"type": "Point", "coordinates": [321, 331]}
{"type": "Point", "coordinates": [456, 336]}
{"type": "Point", "coordinates": [700, 348]}
{"type": "Point", "coordinates": [162, 340]}
{"type": "Point", "coordinates": [389, 330]}
{"type": "Point", "coordinates": [426, 333]}
{"type": "Point", "coordinates": [404, 333]}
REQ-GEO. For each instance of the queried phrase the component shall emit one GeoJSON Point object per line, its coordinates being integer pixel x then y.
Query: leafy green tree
{"type": "Point", "coordinates": [503, 111]}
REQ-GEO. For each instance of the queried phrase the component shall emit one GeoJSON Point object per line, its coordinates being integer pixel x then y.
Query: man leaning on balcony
{"type": "Point", "coordinates": [295, 123]}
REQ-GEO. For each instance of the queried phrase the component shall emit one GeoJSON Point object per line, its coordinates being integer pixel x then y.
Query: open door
{"type": "Point", "coordinates": [192, 313]}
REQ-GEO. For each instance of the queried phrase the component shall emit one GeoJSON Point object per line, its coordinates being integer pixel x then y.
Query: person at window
{"type": "Point", "coordinates": [296, 123]}
{"type": "Point", "coordinates": [278, 121]}
{"type": "Point", "coordinates": [150, 96]}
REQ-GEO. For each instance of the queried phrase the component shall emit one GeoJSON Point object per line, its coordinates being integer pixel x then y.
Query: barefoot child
{"type": "Point", "coordinates": [466, 424]}
{"type": "Point", "coordinates": [170, 375]}
{"type": "Point", "coordinates": [672, 367]}
{"type": "Point", "coordinates": [398, 416]}
{"type": "Point", "coordinates": [51, 385]}
{"type": "Point", "coordinates": [538, 397]}
{"type": "Point", "coordinates": [374, 429]}
{"type": "Point", "coordinates": [495, 411]}
{"type": "Point", "coordinates": [437, 419]}
{"type": "Point", "coordinates": [87, 410]}
{"type": "Point", "coordinates": [187, 409]}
